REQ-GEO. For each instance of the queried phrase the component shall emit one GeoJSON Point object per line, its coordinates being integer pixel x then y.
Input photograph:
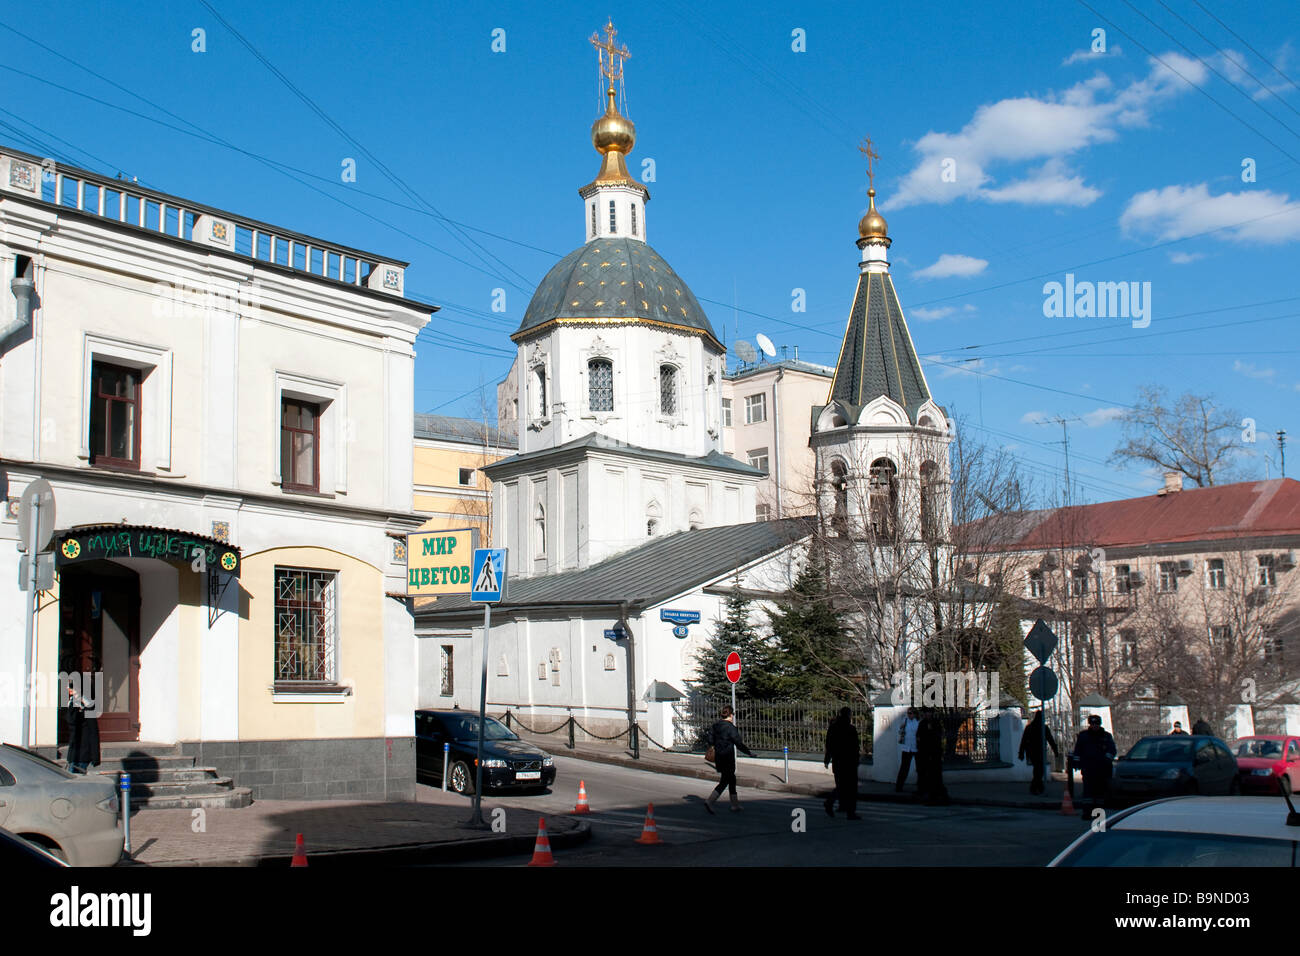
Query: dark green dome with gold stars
{"type": "Point", "coordinates": [614, 280]}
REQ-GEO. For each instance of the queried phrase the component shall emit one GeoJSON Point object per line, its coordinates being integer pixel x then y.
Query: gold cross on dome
{"type": "Point", "coordinates": [866, 150]}
{"type": "Point", "coordinates": [607, 53]}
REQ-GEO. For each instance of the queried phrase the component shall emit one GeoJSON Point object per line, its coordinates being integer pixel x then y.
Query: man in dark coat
{"type": "Point", "coordinates": [842, 755]}
{"type": "Point", "coordinates": [83, 734]}
{"type": "Point", "coordinates": [1202, 728]}
{"type": "Point", "coordinates": [1031, 748]}
{"type": "Point", "coordinates": [725, 740]}
{"type": "Point", "coordinates": [1094, 750]}
{"type": "Point", "coordinates": [929, 760]}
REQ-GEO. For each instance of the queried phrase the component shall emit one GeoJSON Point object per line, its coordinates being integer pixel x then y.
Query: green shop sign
{"type": "Point", "coordinates": [124, 541]}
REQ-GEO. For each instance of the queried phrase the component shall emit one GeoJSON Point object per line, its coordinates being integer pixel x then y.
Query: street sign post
{"type": "Point", "coordinates": [1042, 682]}
{"type": "Point", "coordinates": [488, 587]}
{"type": "Point", "coordinates": [35, 528]}
{"type": "Point", "coordinates": [733, 675]}
{"type": "Point", "coordinates": [1041, 641]}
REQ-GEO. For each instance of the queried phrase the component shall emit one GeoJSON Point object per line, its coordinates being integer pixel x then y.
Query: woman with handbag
{"type": "Point", "coordinates": [724, 740]}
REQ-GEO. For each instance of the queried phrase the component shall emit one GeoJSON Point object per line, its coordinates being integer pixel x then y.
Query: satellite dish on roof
{"type": "Point", "coordinates": [766, 345]}
{"type": "Point", "coordinates": [744, 351]}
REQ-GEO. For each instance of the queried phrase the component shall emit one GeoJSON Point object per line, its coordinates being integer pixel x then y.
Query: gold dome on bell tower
{"type": "Point", "coordinates": [613, 134]}
{"type": "Point", "coordinates": [613, 131]}
{"type": "Point", "coordinates": [873, 225]}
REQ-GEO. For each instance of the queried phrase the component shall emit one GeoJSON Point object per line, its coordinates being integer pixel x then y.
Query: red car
{"type": "Point", "coordinates": [1268, 762]}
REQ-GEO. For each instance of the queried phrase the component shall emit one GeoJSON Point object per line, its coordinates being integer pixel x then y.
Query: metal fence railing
{"type": "Point", "coordinates": [767, 725]}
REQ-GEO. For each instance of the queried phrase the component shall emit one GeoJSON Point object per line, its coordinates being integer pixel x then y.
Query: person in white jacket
{"type": "Point", "coordinates": [906, 747]}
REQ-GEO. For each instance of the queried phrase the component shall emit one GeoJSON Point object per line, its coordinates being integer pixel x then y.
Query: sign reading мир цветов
{"type": "Point", "coordinates": [437, 562]}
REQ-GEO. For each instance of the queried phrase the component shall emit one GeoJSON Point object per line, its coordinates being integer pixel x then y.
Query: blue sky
{"type": "Point", "coordinates": [1122, 167]}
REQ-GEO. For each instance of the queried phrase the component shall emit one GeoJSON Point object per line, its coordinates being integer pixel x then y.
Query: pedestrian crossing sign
{"type": "Point", "coordinates": [488, 574]}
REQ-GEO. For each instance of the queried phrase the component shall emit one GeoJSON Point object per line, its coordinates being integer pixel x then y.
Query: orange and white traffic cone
{"type": "Point", "coordinates": [583, 806]}
{"type": "Point", "coordinates": [649, 833]}
{"type": "Point", "coordinates": [299, 853]}
{"type": "Point", "coordinates": [1067, 804]}
{"type": "Point", "coordinates": [542, 849]}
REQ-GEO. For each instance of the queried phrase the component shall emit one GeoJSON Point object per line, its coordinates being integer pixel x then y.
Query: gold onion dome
{"type": "Point", "coordinates": [613, 131]}
{"type": "Point", "coordinates": [872, 225]}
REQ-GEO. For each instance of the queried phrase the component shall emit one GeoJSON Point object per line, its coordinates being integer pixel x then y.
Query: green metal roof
{"type": "Point", "coordinates": [878, 357]}
{"type": "Point", "coordinates": [615, 278]}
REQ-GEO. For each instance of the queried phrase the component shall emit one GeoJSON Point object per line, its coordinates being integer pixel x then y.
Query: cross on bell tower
{"type": "Point", "coordinates": [610, 57]}
{"type": "Point", "coordinates": [866, 150]}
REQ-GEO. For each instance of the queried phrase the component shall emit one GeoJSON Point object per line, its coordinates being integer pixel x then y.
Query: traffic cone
{"type": "Point", "coordinates": [1067, 804]}
{"type": "Point", "coordinates": [299, 853]}
{"type": "Point", "coordinates": [649, 833]}
{"type": "Point", "coordinates": [542, 849]}
{"type": "Point", "coordinates": [583, 806]}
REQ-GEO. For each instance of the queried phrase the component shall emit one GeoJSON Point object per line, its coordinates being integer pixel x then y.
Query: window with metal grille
{"type": "Point", "coordinates": [594, 228]}
{"type": "Point", "coordinates": [634, 219]}
{"type": "Point", "coordinates": [668, 389]}
{"type": "Point", "coordinates": [600, 385]}
{"type": "Point", "coordinates": [447, 670]}
{"type": "Point", "coordinates": [306, 629]}
{"type": "Point", "coordinates": [613, 221]}
{"type": "Point", "coordinates": [115, 415]}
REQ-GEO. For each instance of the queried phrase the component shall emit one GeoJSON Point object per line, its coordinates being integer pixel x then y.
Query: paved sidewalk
{"type": "Point", "coordinates": [1014, 794]}
{"type": "Point", "coordinates": [341, 832]}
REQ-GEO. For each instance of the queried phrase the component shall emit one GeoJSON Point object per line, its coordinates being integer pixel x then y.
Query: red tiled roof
{"type": "Point", "coordinates": [1247, 509]}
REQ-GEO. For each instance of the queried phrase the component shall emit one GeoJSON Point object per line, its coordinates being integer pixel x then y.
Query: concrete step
{"type": "Point", "coordinates": [165, 774]}
{"type": "Point", "coordinates": [139, 763]}
{"type": "Point", "coordinates": [231, 799]}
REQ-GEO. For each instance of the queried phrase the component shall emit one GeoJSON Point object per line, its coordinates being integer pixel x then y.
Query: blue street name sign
{"type": "Point", "coordinates": [681, 630]}
{"type": "Point", "coordinates": [488, 576]}
{"type": "Point", "coordinates": [679, 617]}
{"type": "Point", "coordinates": [615, 633]}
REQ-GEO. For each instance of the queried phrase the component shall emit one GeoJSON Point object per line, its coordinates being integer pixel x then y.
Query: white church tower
{"type": "Point", "coordinates": [617, 380]}
{"type": "Point", "coordinates": [881, 441]}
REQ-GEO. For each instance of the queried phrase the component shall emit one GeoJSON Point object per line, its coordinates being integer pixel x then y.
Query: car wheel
{"type": "Point", "coordinates": [461, 780]}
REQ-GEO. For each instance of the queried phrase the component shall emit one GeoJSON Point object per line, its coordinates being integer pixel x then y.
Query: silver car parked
{"type": "Point", "coordinates": [74, 817]}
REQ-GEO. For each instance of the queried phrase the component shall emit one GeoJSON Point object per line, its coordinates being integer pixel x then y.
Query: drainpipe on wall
{"type": "Point", "coordinates": [776, 437]}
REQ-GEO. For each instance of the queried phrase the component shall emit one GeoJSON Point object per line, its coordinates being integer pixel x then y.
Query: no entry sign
{"type": "Point", "coordinates": [733, 667]}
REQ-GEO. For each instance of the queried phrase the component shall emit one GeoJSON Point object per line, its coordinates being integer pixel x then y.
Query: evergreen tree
{"type": "Point", "coordinates": [1009, 644]}
{"type": "Point", "coordinates": [812, 645]}
{"type": "Point", "coordinates": [735, 632]}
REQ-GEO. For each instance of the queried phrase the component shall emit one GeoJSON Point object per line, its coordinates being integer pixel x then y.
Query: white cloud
{"type": "Point", "coordinates": [1082, 56]}
{"type": "Point", "coordinates": [952, 264]}
{"type": "Point", "coordinates": [1101, 416]}
{"type": "Point", "coordinates": [950, 367]}
{"type": "Point", "coordinates": [941, 312]}
{"type": "Point", "coordinates": [1183, 258]}
{"type": "Point", "coordinates": [1235, 65]}
{"type": "Point", "coordinates": [1177, 212]}
{"type": "Point", "coordinates": [1042, 131]}
{"type": "Point", "coordinates": [1249, 370]}
{"type": "Point", "coordinates": [1033, 418]}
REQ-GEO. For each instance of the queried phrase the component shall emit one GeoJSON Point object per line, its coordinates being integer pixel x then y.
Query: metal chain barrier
{"type": "Point", "coordinates": [540, 733]}
{"type": "Point", "coordinates": [621, 733]}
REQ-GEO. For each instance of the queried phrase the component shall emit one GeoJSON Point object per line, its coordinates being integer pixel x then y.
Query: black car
{"type": "Point", "coordinates": [508, 762]}
{"type": "Point", "coordinates": [1175, 764]}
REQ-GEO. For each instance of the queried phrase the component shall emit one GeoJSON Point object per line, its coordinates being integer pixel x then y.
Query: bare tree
{"type": "Point", "coordinates": [1193, 436]}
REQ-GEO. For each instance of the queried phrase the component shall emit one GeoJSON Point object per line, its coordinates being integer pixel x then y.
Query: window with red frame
{"type": "Point", "coordinates": [114, 415]}
{"type": "Point", "coordinates": [299, 445]}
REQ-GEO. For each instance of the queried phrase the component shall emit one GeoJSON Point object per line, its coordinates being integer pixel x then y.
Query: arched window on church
{"type": "Point", "coordinates": [668, 389]}
{"type": "Point", "coordinates": [696, 520]}
{"type": "Point", "coordinates": [539, 531]}
{"type": "Point", "coordinates": [883, 491]}
{"type": "Point", "coordinates": [600, 385]}
{"type": "Point", "coordinates": [840, 488]}
{"type": "Point", "coordinates": [653, 516]}
{"type": "Point", "coordinates": [538, 398]}
{"type": "Point", "coordinates": [931, 514]}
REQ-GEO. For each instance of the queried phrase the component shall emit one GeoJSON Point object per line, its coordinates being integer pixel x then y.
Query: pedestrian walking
{"type": "Point", "coordinates": [1178, 728]}
{"type": "Point", "coordinates": [1202, 728]}
{"type": "Point", "coordinates": [843, 755]}
{"type": "Point", "coordinates": [929, 760]}
{"type": "Point", "coordinates": [83, 734]}
{"type": "Point", "coordinates": [906, 748]}
{"type": "Point", "coordinates": [725, 740]}
{"type": "Point", "coordinates": [1031, 747]}
{"type": "Point", "coordinates": [1095, 751]}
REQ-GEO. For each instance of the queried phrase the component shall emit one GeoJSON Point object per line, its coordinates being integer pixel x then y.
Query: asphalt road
{"type": "Point", "coordinates": [774, 829]}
